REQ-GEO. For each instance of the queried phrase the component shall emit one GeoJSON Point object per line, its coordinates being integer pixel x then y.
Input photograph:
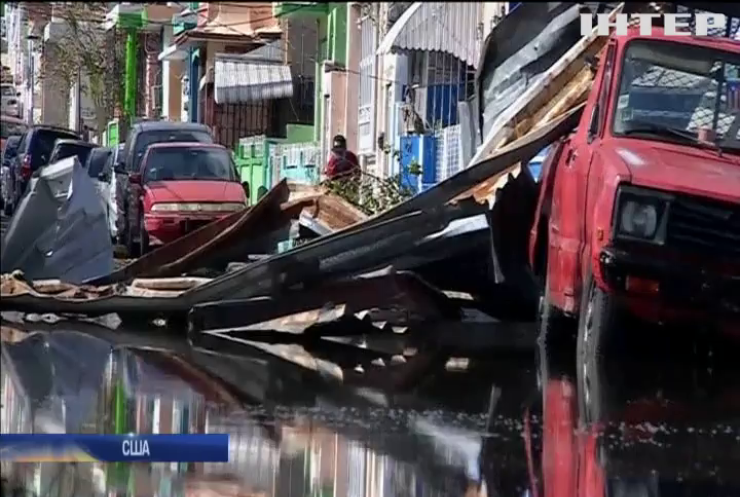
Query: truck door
{"type": "Point", "coordinates": [567, 229]}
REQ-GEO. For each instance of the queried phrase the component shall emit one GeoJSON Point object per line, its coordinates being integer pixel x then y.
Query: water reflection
{"type": "Point", "coordinates": [655, 431]}
{"type": "Point", "coordinates": [339, 443]}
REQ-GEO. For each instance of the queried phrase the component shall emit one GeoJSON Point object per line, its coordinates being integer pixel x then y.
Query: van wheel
{"type": "Point", "coordinates": [597, 324]}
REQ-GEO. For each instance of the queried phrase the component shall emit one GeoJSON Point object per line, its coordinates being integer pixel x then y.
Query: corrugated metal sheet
{"type": "Point", "coordinates": [438, 26]}
{"type": "Point", "coordinates": [269, 52]}
{"type": "Point", "coordinates": [240, 79]}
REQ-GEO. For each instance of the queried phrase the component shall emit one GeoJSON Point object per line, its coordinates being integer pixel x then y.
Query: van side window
{"type": "Point", "coordinates": [600, 109]}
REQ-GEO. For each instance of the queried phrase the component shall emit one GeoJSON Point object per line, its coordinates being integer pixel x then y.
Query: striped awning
{"type": "Point", "coordinates": [239, 79]}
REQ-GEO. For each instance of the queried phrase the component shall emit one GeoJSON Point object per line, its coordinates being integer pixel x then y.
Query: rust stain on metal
{"type": "Point", "coordinates": [330, 209]}
{"type": "Point", "coordinates": [14, 285]}
{"type": "Point", "coordinates": [12, 335]}
{"type": "Point", "coordinates": [486, 190]}
{"type": "Point", "coordinates": [336, 212]}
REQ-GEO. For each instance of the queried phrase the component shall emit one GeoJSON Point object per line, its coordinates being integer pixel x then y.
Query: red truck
{"type": "Point", "coordinates": [181, 187]}
{"type": "Point", "coordinates": [639, 209]}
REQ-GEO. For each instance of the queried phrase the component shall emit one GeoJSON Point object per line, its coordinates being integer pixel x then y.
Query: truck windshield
{"type": "Point", "coordinates": [679, 92]}
{"type": "Point", "coordinates": [180, 163]}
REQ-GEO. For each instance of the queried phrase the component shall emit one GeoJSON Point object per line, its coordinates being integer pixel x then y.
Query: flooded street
{"type": "Point", "coordinates": [497, 426]}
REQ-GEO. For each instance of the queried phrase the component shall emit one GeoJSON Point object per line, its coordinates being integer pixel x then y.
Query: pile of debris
{"type": "Point", "coordinates": [443, 272]}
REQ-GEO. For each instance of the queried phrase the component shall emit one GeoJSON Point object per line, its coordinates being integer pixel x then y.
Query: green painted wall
{"type": "Point", "coordinates": [333, 46]}
{"type": "Point", "coordinates": [299, 133]}
{"type": "Point", "coordinates": [332, 33]}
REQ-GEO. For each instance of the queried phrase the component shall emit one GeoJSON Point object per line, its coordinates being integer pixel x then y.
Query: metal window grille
{"type": "Point", "coordinates": [695, 103]}
{"type": "Point", "coordinates": [449, 152]}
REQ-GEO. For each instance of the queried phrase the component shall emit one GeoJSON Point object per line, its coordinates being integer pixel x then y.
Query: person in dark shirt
{"type": "Point", "coordinates": [342, 163]}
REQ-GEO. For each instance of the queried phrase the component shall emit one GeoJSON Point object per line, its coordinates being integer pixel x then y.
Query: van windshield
{"type": "Point", "coordinates": [188, 163]}
{"type": "Point", "coordinates": [65, 150]}
{"type": "Point", "coordinates": [678, 92]}
{"type": "Point", "coordinates": [42, 145]}
{"type": "Point", "coordinates": [147, 138]}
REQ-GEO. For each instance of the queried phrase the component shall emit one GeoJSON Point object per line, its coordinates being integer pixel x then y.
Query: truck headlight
{"type": "Point", "coordinates": [641, 214]}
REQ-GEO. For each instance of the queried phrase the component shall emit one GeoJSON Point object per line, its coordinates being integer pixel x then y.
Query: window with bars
{"type": "Point", "coordinates": [365, 120]}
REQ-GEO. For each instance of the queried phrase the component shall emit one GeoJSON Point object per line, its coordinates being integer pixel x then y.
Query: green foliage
{"type": "Point", "coordinates": [370, 193]}
{"type": "Point", "coordinates": [87, 50]}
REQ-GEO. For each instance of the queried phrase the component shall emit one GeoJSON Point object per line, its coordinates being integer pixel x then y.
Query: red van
{"type": "Point", "coordinates": [181, 187]}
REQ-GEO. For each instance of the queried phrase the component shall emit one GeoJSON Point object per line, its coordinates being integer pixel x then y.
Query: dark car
{"type": "Point", "coordinates": [99, 167]}
{"type": "Point", "coordinates": [34, 152]}
{"type": "Point", "coordinates": [65, 148]}
{"type": "Point", "coordinates": [139, 138]}
{"type": "Point", "coordinates": [10, 149]}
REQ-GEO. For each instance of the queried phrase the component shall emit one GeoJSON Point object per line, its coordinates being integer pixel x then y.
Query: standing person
{"type": "Point", "coordinates": [342, 164]}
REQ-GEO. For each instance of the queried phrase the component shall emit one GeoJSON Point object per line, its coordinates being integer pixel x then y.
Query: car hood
{"type": "Point", "coordinates": [195, 191]}
{"type": "Point", "coordinates": [682, 169]}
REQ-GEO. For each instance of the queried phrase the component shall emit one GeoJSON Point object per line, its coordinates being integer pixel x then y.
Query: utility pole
{"type": "Point", "coordinates": [78, 100]}
{"type": "Point", "coordinates": [31, 76]}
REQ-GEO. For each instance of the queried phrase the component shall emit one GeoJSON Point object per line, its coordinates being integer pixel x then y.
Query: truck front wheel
{"type": "Point", "coordinates": [597, 324]}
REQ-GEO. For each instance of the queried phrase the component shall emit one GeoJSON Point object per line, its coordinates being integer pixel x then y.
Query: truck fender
{"type": "Point", "coordinates": [538, 233]}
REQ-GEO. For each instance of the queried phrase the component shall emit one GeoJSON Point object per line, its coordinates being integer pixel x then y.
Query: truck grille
{"type": "Point", "coordinates": [705, 226]}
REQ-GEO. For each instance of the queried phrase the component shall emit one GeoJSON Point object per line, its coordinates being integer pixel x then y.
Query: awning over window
{"type": "Point", "coordinates": [241, 79]}
{"type": "Point", "coordinates": [437, 26]}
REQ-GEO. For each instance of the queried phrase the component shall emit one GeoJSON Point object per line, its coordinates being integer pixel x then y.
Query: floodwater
{"type": "Point", "coordinates": [662, 427]}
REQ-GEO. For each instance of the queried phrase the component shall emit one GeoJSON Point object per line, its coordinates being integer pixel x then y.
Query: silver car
{"type": "Point", "coordinates": [99, 167]}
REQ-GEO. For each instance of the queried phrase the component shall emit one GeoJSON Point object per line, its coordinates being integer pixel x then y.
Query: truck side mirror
{"type": "Point", "coordinates": [134, 178]}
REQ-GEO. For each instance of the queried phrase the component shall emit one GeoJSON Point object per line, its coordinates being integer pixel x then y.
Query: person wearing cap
{"type": "Point", "coordinates": [342, 162]}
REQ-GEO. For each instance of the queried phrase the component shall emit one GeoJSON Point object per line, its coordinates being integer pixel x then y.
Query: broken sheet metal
{"type": "Point", "coordinates": [335, 256]}
{"type": "Point", "coordinates": [329, 214]}
{"type": "Point", "coordinates": [208, 244]}
{"type": "Point", "coordinates": [151, 297]}
{"type": "Point", "coordinates": [60, 229]}
{"type": "Point", "coordinates": [562, 86]}
{"type": "Point", "coordinates": [513, 59]}
{"type": "Point", "coordinates": [405, 290]}
{"type": "Point", "coordinates": [358, 249]}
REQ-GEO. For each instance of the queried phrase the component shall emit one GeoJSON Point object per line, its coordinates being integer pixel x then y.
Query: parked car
{"type": "Point", "coordinates": [34, 151]}
{"type": "Point", "coordinates": [100, 169]}
{"type": "Point", "coordinates": [10, 100]}
{"type": "Point", "coordinates": [638, 210]}
{"type": "Point", "coordinates": [10, 149]}
{"type": "Point", "coordinates": [128, 161]}
{"type": "Point", "coordinates": [179, 188]}
{"type": "Point", "coordinates": [10, 126]}
{"type": "Point", "coordinates": [119, 182]}
{"type": "Point", "coordinates": [64, 148]}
